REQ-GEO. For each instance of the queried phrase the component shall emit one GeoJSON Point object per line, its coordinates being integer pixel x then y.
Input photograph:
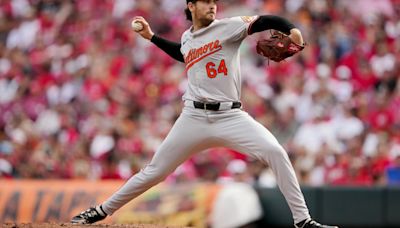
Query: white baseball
{"type": "Point", "coordinates": [137, 26]}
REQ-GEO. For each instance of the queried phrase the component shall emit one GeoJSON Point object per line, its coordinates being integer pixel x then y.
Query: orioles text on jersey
{"type": "Point", "coordinates": [197, 54]}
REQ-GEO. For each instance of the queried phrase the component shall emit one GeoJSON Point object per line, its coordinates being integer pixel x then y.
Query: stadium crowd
{"type": "Point", "coordinates": [83, 96]}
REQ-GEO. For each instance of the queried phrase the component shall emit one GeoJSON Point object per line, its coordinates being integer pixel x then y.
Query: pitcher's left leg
{"type": "Point", "coordinates": [247, 136]}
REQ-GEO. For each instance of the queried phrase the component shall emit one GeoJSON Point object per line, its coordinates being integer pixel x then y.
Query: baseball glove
{"type": "Point", "coordinates": [278, 47]}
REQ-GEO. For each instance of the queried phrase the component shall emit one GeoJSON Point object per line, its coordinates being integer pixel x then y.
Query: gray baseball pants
{"type": "Point", "coordinates": [196, 130]}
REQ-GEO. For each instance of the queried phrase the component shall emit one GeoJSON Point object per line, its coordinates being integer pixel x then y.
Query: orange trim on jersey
{"type": "Point", "coordinates": [251, 24]}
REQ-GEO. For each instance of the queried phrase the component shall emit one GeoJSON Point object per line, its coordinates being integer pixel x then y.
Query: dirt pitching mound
{"type": "Point", "coordinates": [68, 225]}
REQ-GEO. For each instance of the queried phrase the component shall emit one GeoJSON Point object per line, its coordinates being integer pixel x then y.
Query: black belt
{"type": "Point", "coordinates": [214, 106]}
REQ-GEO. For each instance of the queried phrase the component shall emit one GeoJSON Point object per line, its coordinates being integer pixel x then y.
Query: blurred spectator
{"type": "Point", "coordinates": [237, 203]}
{"type": "Point", "coordinates": [82, 96]}
{"type": "Point", "coordinates": [393, 172]}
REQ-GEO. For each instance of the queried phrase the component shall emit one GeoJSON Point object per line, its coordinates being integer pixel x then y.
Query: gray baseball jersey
{"type": "Point", "coordinates": [212, 60]}
{"type": "Point", "coordinates": [212, 63]}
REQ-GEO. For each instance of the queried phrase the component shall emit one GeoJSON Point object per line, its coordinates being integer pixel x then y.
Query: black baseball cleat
{"type": "Point", "coordinates": [309, 223]}
{"type": "Point", "coordinates": [91, 215]}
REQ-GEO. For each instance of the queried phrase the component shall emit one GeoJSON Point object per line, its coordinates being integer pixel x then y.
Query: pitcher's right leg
{"type": "Point", "coordinates": [246, 135]}
{"type": "Point", "coordinates": [179, 145]}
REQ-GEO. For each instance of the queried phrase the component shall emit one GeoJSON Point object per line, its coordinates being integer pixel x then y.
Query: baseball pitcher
{"type": "Point", "coordinates": [212, 107]}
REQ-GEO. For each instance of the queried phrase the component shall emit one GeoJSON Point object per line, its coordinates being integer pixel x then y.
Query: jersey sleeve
{"type": "Point", "coordinates": [238, 27]}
